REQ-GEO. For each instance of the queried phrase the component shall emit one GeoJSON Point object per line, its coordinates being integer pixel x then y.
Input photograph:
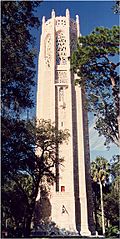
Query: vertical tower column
{"type": "Point", "coordinates": [40, 85]}
{"type": "Point", "coordinates": [70, 91]}
{"type": "Point", "coordinates": [81, 165]}
{"type": "Point", "coordinates": [53, 48]}
{"type": "Point", "coordinates": [81, 155]}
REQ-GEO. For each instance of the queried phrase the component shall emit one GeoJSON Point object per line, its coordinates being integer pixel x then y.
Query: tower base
{"type": "Point", "coordinates": [63, 211]}
{"type": "Point", "coordinates": [85, 232]}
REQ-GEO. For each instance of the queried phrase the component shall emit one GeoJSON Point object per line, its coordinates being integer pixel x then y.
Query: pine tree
{"type": "Point", "coordinates": [96, 63]}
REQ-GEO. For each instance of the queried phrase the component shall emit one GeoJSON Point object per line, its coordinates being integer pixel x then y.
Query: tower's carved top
{"type": "Point", "coordinates": [61, 20]}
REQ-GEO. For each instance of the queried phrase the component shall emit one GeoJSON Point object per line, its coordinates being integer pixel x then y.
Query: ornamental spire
{"type": "Point", "coordinates": [67, 13]}
{"type": "Point", "coordinates": [53, 13]}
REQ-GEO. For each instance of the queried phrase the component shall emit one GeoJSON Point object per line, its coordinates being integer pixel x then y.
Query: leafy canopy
{"type": "Point", "coordinates": [18, 68]}
{"type": "Point", "coordinates": [96, 63]}
{"type": "Point", "coordinates": [116, 7]}
{"type": "Point", "coordinates": [100, 170]}
{"type": "Point", "coordinates": [29, 153]}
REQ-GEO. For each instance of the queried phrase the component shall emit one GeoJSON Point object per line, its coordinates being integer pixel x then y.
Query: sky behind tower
{"type": "Point", "coordinates": [92, 14]}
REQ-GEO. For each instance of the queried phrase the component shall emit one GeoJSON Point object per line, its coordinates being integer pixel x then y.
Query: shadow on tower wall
{"type": "Point", "coordinates": [87, 168]}
{"type": "Point", "coordinates": [75, 161]}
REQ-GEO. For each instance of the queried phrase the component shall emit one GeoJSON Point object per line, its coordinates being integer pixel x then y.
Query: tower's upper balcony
{"type": "Point", "coordinates": [60, 22]}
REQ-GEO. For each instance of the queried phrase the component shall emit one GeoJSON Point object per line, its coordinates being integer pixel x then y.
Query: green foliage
{"type": "Point", "coordinates": [18, 68]}
{"type": "Point", "coordinates": [115, 166]}
{"type": "Point", "coordinates": [18, 143]}
{"type": "Point", "coordinates": [29, 153]}
{"type": "Point", "coordinates": [115, 169]}
{"type": "Point", "coordinates": [116, 7]}
{"type": "Point", "coordinates": [14, 204]}
{"type": "Point", "coordinates": [96, 63]}
{"type": "Point", "coordinates": [111, 207]}
{"type": "Point", "coordinates": [101, 169]}
{"type": "Point", "coordinates": [112, 231]}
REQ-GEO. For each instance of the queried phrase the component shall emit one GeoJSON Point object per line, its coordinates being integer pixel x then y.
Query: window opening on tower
{"type": "Point", "coordinates": [62, 188]}
{"type": "Point", "coordinates": [62, 124]}
{"type": "Point", "coordinates": [60, 48]}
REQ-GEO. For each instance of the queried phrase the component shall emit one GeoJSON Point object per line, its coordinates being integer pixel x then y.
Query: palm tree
{"type": "Point", "coordinates": [100, 170]}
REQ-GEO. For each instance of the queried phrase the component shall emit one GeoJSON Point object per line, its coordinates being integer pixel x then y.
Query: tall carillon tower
{"type": "Point", "coordinates": [61, 101]}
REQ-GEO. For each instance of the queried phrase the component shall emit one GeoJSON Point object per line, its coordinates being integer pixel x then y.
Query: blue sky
{"type": "Point", "coordinates": [92, 14]}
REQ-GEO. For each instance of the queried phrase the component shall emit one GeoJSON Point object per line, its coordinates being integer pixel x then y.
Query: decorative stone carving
{"type": "Point", "coordinates": [48, 51]}
{"type": "Point", "coordinates": [60, 77]}
{"type": "Point", "coordinates": [48, 22]}
{"type": "Point", "coordinates": [61, 21]}
{"type": "Point", "coordinates": [60, 48]}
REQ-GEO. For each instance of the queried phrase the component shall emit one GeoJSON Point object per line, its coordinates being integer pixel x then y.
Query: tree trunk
{"type": "Point", "coordinates": [95, 213]}
{"type": "Point", "coordinates": [117, 105]}
{"type": "Point", "coordinates": [102, 209]}
{"type": "Point", "coordinates": [28, 217]}
{"type": "Point", "coordinates": [30, 211]}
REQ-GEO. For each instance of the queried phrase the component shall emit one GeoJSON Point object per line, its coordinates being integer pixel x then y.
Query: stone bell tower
{"type": "Point", "coordinates": [61, 101]}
